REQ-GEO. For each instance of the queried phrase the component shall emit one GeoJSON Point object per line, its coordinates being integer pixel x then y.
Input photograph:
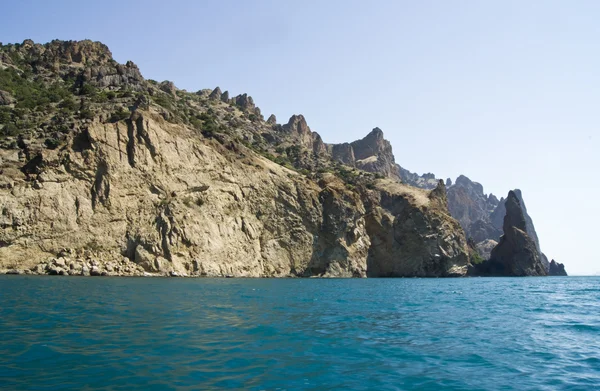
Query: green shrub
{"type": "Point", "coordinates": [476, 258]}
{"type": "Point", "coordinates": [119, 115]}
{"type": "Point", "coordinates": [87, 89]}
{"type": "Point", "coordinates": [51, 143]}
{"type": "Point", "coordinates": [86, 114]}
{"type": "Point", "coordinates": [10, 129]}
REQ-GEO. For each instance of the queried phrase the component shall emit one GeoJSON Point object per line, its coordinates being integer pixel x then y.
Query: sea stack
{"type": "Point", "coordinates": [516, 254]}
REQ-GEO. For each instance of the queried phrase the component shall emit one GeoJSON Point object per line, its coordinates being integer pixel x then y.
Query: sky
{"type": "Point", "coordinates": [504, 92]}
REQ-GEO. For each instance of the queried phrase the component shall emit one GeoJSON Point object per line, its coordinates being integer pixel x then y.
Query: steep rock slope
{"type": "Point", "coordinates": [412, 234]}
{"type": "Point", "coordinates": [472, 208]}
{"type": "Point", "coordinates": [479, 214]}
{"type": "Point", "coordinates": [516, 254]}
{"type": "Point", "coordinates": [104, 172]}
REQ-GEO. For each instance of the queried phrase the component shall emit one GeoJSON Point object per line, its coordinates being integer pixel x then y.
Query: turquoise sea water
{"type": "Point", "coordinates": [293, 334]}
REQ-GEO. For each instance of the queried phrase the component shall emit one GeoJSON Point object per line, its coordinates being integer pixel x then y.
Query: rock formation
{"type": "Point", "coordinates": [126, 178]}
{"type": "Point", "coordinates": [411, 236]}
{"type": "Point", "coordinates": [6, 98]}
{"type": "Point", "coordinates": [225, 97]}
{"type": "Point", "coordinates": [556, 269]}
{"type": "Point", "coordinates": [374, 154]}
{"type": "Point", "coordinates": [216, 94]}
{"type": "Point", "coordinates": [472, 208]}
{"type": "Point", "coordinates": [425, 181]}
{"type": "Point", "coordinates": [516, 254]}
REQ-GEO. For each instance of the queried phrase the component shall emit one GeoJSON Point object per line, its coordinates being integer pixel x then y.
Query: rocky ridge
{"type": "Point", "coordinates": [107, 173]}
{"type": "Point", "coordinates": [480, 215]}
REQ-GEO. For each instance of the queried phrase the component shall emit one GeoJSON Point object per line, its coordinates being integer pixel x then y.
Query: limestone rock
{"type": "Point", "coordinates": [343, 153]}
{"type": "Point", "coordinates": [485, 248]}
{"type": "Point", "coordinates": [191, 190]}
{"type": "Point", "coordinates": [413, 236]}
{"type": "Point", "coordinates": [425, 181]}
{"type": "Point", "coordinates": [496, 218]}
{"type": "Point", "coordinates": [168, 87]}
{"type": "Point", "coordinates": [6, 98]}
{"type": "Point", "coordinates": [298, 130]}
{"type": "Point", "coordinates": [516, 254]}
{"type": "Point", "coordinates": [472, 208]}
{"type": "Point", "coordinates": [374, 154]}
{"type": "Point", "coordinates": [225, 97]}
{"type": "Point", "coordinates": [245, 102]}
{"type": "Point", "coordinates": [215, 94]}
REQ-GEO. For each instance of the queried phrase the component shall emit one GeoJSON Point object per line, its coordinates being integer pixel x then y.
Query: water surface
{"type": "Point", "coordinates": [290, 334]}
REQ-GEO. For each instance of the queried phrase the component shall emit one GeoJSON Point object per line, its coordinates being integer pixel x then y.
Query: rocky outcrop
{"type": "Point", "coordinates": [556, 269]}
{"type": "Point", "coordinates": [165, 182]}
{"type": "Point", "coordinates": [412, 235]}
{"type": "Point", "coordinates": [6, 98]}
{"type": "Point", "coordinates": [374, 154]}
{"type": "Point", "coordinates": [343, 153]}
{"type": "Point", "coordinates": [529, 227]}
{"type": "Point", "coordinates": [484, 248]}
{"type": "Point", "coordinates": [225, 97]}
{"type": "Point", "coordinates": [169, 202]}
{"type": "Point", "coordinates": [472, 208]}
{"type": "Point", "coordinates": [516, 254]}
{"type": "Point", "coordinates": [245, 102]}
{"type": "Point", "coordinates": [298, 130]}
{"type": "Point", "coordinates": [426, 181]}
{"type": "Point", "coordinates": [168, 87]}
{"type": "Point", "coordinates": [216, 94]}
{"type": "Point", "coordinates": [272, 120]}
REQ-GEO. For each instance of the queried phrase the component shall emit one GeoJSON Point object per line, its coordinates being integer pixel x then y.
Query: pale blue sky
{"type": "Point", "coordinates": [505, 92]}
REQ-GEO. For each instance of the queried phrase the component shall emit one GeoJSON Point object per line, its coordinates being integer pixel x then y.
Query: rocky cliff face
{"type": "Point", "coordinates": [412, 235]}
{"type": "Point", "coordinates": [472, 208]}
{"type": "Point", "coordinates": [516, 254]}
{"type": "Point", "coordinates": [426, 181]}
{"type": "Point", "coordinates": [480, 215]}
{"type": "Point", "coordinates": [116, 175]}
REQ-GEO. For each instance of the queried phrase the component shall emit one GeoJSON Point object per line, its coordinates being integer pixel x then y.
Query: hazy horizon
{"type": "Point", "coordinates": [502, 92]}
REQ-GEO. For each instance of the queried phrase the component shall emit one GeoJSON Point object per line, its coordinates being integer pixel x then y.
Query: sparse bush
{"type": "Point", "coordinates": [119, 115]}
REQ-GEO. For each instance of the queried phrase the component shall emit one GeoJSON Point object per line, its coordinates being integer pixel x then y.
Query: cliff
{"type": "Point", "coordinates": [106, 173]}
{"type": "Point", "coordinates": [516, 254]}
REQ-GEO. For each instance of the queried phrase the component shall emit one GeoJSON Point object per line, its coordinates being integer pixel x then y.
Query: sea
{"type": "Point", "coordinates": [78, 333]}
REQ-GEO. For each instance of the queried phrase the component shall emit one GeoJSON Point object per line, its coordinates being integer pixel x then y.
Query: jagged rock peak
{"type": "Point", "coordinates": [297, 123]}
{"type": "Point", "coordinates": [245, 102]}
{"type": "Point", "coordinates": [81, 52]}
{"type": "Point", "coordinates": [556, 269]}
{"type": "Point", "coordinates": [497, 217]}
{"type": "Point", "coordinates": [225, 97]}
{"type": "Point", "coordinates": [168, 87]}
{"type": "Point", "coordinates": [439, 191]}
{"type": "Point", "coordinates": [464, 181]}
{"type": "Point", "coordinates": [516, 253]}
{"type": "Point", "coordinates": [215, 94]}
{"type": "Point", "coordinates": [514, 213]}
{"type": "Point", "coordinates": [272, 120]}
{"type": "Point", "coordinates": [376, 133]}
{"type": "Point", "coordinates": [371, 145]}
{"type": "Point", "coordinates": [439, 194]}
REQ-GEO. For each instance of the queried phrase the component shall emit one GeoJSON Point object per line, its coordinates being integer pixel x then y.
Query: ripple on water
{"type": "Point", "coordinates": [405, 334]}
